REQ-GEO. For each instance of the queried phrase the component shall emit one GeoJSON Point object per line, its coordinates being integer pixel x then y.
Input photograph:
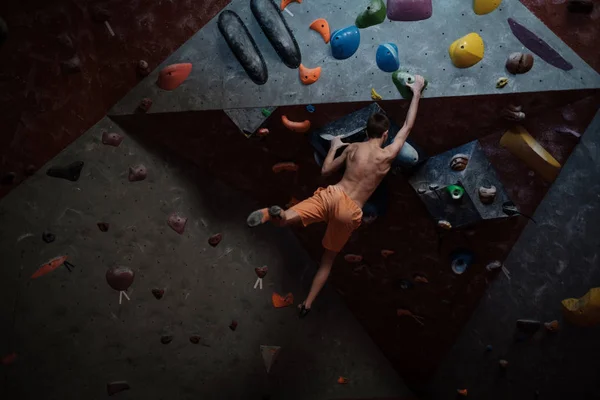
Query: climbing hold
{"type": "Point", "coordinates": [112, 139]}
{"type": "Point", "coordinates": [353, 258]}
{"type": "Point", "coordinates": [293, 126]}
{"type": "Point", "coordinates": [120, 278]}
{"type": "Point", "coordinates": [409, 10]}
{"type": "Point", "coordinates": [261, 272]}
{"type": "Point", "coordinates": [503, 363]}
{"type": "Point", "coordinates": [158, 293]}
{"type": "Point", "coordinates": [280, 301]}
{"type": "Point", "coordinates": [49, 266]}
{"type": "Point", "coordinates": [143, 68]}
{"type": "Point", "coordinates": [493, 265]}
{"type": "Point", "coordinates": [387, 57]}
{"type": "Point", "coordinates": [215, 239]}
{"type": "Point", "coordinates": [276, 29]}
{"type": "Point", "coordinates": [420, 278]}
{"type": "Point", "coordinates": [373, 15]}
{"type": "Point", "coordinates": [403, 284]}
{"type": "Point", "coordinates": [9, 358]}
{"type": "Point", "coordinates": [169, 78]}
{"type": "Point", "coordinates": [489, 347]}
{"type": "Point", "coordinates": [3, 31]}
{"type": "Point", "coordinates": [387, 253]}
{"type": "Point", "coordinates": [459, 162]}
{"type": "Point", "coordinates": [30, 170]}
{"type": "Point", "coordinates": [8, 178]}
{"type": "Point", "coordinates": [69, 172]}
{"type": "Point", "coordinates": [342, 380]}
{"type": "Point", "coordinates": [584, 311]}
{"type": "Point", "coordinates": [177, 222]}
{"type": "Point", "coordinates": [116, 387]}
{"type": "Point", "coordinates": [285, 3]}
{"type": "Point", "coordinates": [575, 6]}
{"type": "Point", "coordinates": [145, 105]}
{"type": "Point", "coordinates": [72, 65]}
{"type": "Point", "coordinates": [375, 96]}
{"type": "Point", "coordinates": [265, 112]}
{"type": "Point", "coordinates": [103, 226]}
{"type": "Point", "coordinates": [487, 194]}
{"type": "Point", "coordinates": [137, 173]}
{"type": "Point", "coordinates": [345, 42]}
{"type": "Point", "coordinates": [262, 132]}
{"type": "Point", "coordinates": [501, 82]}
{"type": "Point", "coordinates": [528, 326]}
{"type": "Point", "coordinates": [48, 237]}
{"type": "Point", "coordinates": [233, 325]}
{"type": "Point", "coordinates": [285, 166]}
{"type": "Point", "coordinates": [456, 191]}
{"type": "Point", "coordinates": [195, 339]}
{"type": "Point", "coordinates": [166, 339]}
{"type": "Point", "coordinates": [322, 26]}
{"type": "Point", "coordinates": [460, 260]}
{"type": "Point", "coordinates": [308, 76]}
{"type": "Point", "coordinates": [462, 392]}
{"type": "Point", "coordinates": [521, 144]}
{"type": "Point", "coordinates": [442, 223]}
{"type": "Point", "coordinates": [513, 113]}
{"type": "Point", "coordinates": [538, 46]}
{"type": "Point", "coordinates": [519, 63]}
{"type": "Point", "coordinates": [551, 326]}
{"type": "Point", "coordinates": [243, 46]}
{"type": "Point", "coordinates": [269, 354]}
{"type": "Point", "coordinates": [402, 80]}
{"type": "Point", "coordinates": [310, 108]}
{"type": "Point", "coordinates": [482, 7]}
{"type": "Point", "coordinates": [467, 51]}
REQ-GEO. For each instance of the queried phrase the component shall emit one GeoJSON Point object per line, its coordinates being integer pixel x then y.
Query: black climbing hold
{"type": "Point", "coordinates": [528, 326]}
{"type": "Point", "coordinates": [195, 339]}
{"type": "Point", "coordinates": [72, 65]}
{"type": "Point", "coordinates": [509, 208]}
{"type": "Point", "coordinates": [166, 339]}
{"type": "Point", "coordinates": [158, 293]}
{"type": "Point", "coordinates": [48, 237]}
{"type": "Point", "coordinates": [116, 387]}
{"type": "Point", "coordinates": [242, 45]}
{"type": "Point", "coordinates": [137, 173]}
{"type": "Point", "coordinates": [233, 325]}
{"type": "Point", "coordinates": [103, 226]}
{"type": "Point", "coordinates": [70, 172]}
{"type": "Point", "coordinates": [3, 31]}
{"type": "Point", "coordinates": [120, 278]}
{"type": "Point", "coordinates": [8, 178]}
{"type": "Point", "coordinates": [278, 32]}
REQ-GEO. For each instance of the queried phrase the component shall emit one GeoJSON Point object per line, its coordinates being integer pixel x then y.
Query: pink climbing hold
{"type": "Point", "coordinates": [137, 173]}
{"type": "Point", "coordinates": [177, 222]}
{"type": "Point", "coordinates": [353, 258]}
{"type": "Point", "coordinates": [120, 278]}
{"type": "Point", "coordinates": [261, 272]}
{"type": "Point", "coordinates": [215, 239]}
{"type": "Point", "coordinates": [112, 139]}
{"type": "Point", "coordinates": [145, 105]}
{"type": "Point", "coordinates": [409, 10]}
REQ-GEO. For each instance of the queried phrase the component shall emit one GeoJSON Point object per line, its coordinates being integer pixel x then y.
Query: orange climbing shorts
{"type": "Point", "coordinates": [331, 205]}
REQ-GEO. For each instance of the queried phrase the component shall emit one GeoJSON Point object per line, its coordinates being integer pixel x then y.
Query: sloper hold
{"type": "Point", "coordinates": [308, 76]}
{"type": "Point", "coordinates": [584, 311]}
{"type": "Point", "coordinates": [243, 46]}
{"type": "Point", "coordinates": [120, 278]}
{"type": "Point", "coordinates": [467, 50]}
{"type": "Point", "coordinates": [539, 47]}
{"type": "Point", "coordinates": [374, 14]}
{"type": "Point", "coordinates": [69, 172]}
{"type": "Point", "coordinates": [345, 42]}
{"type": "Point", "coordinates": [409, 10]}
{"type": "Point", "coordinates": [112, 139]}
{"type": "Point", "coordinates": [519, 63]}
{"type": "Point", "coordinates": [521, 144]}
{"type": "Point", "coordinates": [137, 173]}
{"type": "Point", "coordinates": [170, 77]}
{"type": "Point", "coordinates": [285, 3]}
{"type": "Point", "coordinates": [276, 29]}
{"type": "Point", "coordinates": [482, 7]}
{"type": "Point", "coordinates": [322, 26]}
{"type": "Point", "coordinates": [387, 57]}
{"type": "Point", "coordinates": [269, 354]}
{"type": "Point", "coordinates": [177, 222]}
{"type": "Point", "coordinates": [294, 126]}
{"type": "Point", "coordinates": [401, 79]}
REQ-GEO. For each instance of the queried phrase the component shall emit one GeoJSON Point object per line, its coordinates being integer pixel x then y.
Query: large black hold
{"type": "Point", "coordinates": [278, 32]}
{"type": "Point", "coordinates": [69, 172]}
{"type": "Point", "coordinates": [243, 46]}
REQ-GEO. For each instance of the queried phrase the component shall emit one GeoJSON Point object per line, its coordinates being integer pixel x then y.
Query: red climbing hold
{"type": "Point", "coordinates": [293, 126]}
{"type": "Point", "coordinates": [116, 387]}
{"type": "Point", "coordinates": [49, 266]}
{"type": "Point", "coordinates": [261, 272]}
{"type": "Point", "coordinates": [158, 293]}
{"type": "Point", "coordinates": [285, 3]}
{"type": "Point", "coordinates": [177, 222]}
{"type": "Point", "coordinates": [103, 226]}
{"type": "Point", "coordinates": [112, 139]}
{"type": "Point", "coordinates": [145, 105]}
{"type": "Point", "coordinates": [233, 325]}
{"type": "Point", "coordinates": [172, 76]}
{"type": "Point", "coordinates": [120, 278]}
{"type": "Point", "coordinates": [308, 76]}
{"type": "Point", "coordinates": [285, 166]}
{"type": "Point", "coordinates": [322, 26]}
{"type": "Point", "coordinates": [215, 239]}
{"type": "Point", "coordinates": [137, 173]}
{"type": "Point", "coordinates": [387, 253]}
{"type": "Point", "coordinates": [353, 258]}
{"type": "Point", "coordinates": [342, 380]}
{"type": "Point", "coordinates": [280, 301]}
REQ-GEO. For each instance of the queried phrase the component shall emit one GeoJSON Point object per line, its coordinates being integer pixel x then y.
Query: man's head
{"type": "Point", "coordinates": [377, 126]}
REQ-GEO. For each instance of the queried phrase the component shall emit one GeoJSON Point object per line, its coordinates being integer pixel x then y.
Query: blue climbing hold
{"type": "Point", "coordinates": [344, 42]}
{"type": "Point", "coordinates": [310, 108]}
{"type": "Point", "coordinates": [387, 57]}
{"type": "Point", "coordinates": [461, 260]}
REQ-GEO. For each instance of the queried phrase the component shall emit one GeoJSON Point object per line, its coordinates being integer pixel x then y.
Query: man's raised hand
{"type": "Point", "coordinates": [417, 85]}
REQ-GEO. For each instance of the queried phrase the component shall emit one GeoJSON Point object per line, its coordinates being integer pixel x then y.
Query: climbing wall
{"type": "Point", "coordinates": [190, 324]}
{"type": "Point", "coordinates": [218, 81]}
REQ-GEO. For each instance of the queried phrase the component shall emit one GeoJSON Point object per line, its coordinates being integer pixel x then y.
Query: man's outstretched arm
{"type": "Point", "coordinates": [331, 163]}
{"type": "Point", "coordinates": [416, 87]}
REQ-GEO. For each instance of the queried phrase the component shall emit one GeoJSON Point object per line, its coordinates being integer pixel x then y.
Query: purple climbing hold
{"type": "Point", "coordinates": [137, 173]}
{"type": "Point", "coordinates": [116, 387]}
{"type": "Point", "coordinates": [409, 10]}
{"type": "Point", "coordinates": [177, 222]}
{"type": "Point", "coordinates": [112, 139]}
{"type": "Point", "coordinates": [539, 47]}
{"type": "Point", "coordinates": [120, 278]}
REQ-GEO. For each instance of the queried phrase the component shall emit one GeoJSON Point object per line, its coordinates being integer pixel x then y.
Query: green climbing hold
{"type": "Point", "coordinates": [401, 79]}
{"type": "Point", "coordinates": [265, 112]}
{"type": "Point", "coordinates": [456, 191]}
{"type": "Point", "coordinates": [373, 15]}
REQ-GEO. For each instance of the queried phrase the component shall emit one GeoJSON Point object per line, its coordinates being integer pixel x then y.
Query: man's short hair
{"type": "Point", "coordinates": [377, 125]}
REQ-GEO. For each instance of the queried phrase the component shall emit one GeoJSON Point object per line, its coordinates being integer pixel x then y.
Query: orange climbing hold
{"type": "Point", "coordinates": [342, 380]}
{"type": "Point", "coordinates": [462, 392]}
{"type": "Point", "coordinates": [322, 26]}
{"type": "Point", "coordinates": [308, 76]}
{"type": "Point", "coordinates": [285, 3]}
{"type": "Point", "coordinates": [280, 301]}
{"type": "Point", "coordinates": [285, 166]}
{"type": "Point", "coordinates": [49, 266]}
{"type": "Point", "coordinates": [387, 253]}
{"type": "Point", "coordinates": [172, 76]}
{"type": "Point", "coordinates": [294, 126]}
{"type": "Point", "coordinates": [353, 258]}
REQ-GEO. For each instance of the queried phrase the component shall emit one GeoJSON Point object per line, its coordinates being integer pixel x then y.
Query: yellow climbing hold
{"type": "Point", "coordinates": [501, 83]}
{"type": "Point", "coordinates": [521, 144]}
{"type": "Point", "coordinates": [375, 96]}
{"type": "Point", "coordinates": [584, 311]}
{"type": "Point", "coordinates": [482, 7]}
{"type": "Point", "coordinates": [467, 51]}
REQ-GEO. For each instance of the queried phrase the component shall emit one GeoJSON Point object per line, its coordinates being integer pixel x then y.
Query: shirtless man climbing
{"type": "Point", "coordinates": [340, 205]}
